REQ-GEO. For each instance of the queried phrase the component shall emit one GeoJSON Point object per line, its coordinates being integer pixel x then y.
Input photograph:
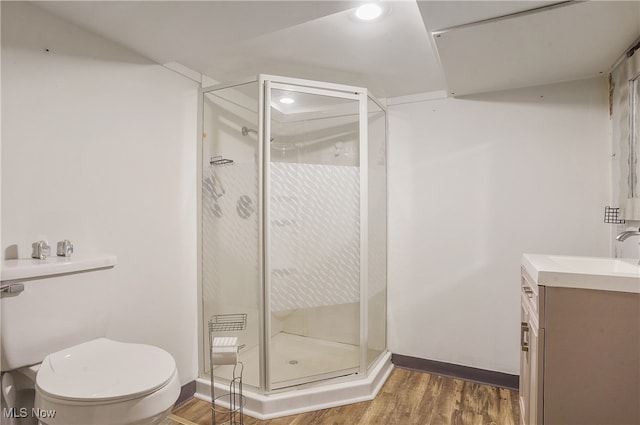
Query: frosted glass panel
{"type": "Point", "coordinates": [314, 238]}
{"type": "Point", "coordinates": [315, 243]}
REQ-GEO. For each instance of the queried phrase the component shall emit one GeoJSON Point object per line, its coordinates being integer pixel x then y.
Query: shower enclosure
{"type": "Point", "coordinates": [294, 234]}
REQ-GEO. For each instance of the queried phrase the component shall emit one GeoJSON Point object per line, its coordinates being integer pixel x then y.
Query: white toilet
{"type": "Point", "coordinates": [58, 369]}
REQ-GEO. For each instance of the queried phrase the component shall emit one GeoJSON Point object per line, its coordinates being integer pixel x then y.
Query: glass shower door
{"type": "Point", "coordinates": [312, 236]}
{"type": "Point", "coordinates": [231, 257]}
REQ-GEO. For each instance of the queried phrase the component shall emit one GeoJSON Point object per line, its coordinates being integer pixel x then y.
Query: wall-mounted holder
{"type": "Point", "coordinates": [612, 215]}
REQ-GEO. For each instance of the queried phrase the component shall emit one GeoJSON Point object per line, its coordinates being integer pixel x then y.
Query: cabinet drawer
{"type": "Point", "coordinates": [530, 292]}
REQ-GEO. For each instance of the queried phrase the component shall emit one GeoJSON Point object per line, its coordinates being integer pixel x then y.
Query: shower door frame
{"type": "Point", "coordinates": [266, 84]}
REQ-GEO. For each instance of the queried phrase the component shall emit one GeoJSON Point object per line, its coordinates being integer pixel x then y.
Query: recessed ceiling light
{"type": "Point", "coordinates": [287, 100]}
{"type": "Point", "coordinates": [369, 11]}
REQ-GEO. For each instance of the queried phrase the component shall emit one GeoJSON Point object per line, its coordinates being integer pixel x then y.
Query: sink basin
{"type": "Point", "coordinates": [598, 265]}
{"type": "Point", "coordinates": [607, 274]}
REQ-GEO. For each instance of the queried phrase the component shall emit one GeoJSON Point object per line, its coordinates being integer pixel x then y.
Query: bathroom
{"type": "Point", "coordinates": [99, 146]}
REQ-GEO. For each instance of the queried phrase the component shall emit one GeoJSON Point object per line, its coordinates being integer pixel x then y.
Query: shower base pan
{"type": "Point", "coordinates": [300, 358]}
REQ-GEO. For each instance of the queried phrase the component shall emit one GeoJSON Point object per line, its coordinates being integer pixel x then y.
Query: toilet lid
{"type": "Point", "coordinates": [103, 369]}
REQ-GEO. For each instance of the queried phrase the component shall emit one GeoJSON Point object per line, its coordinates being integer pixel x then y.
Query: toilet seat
{"type": "Point", "coordinates": [104, 371]}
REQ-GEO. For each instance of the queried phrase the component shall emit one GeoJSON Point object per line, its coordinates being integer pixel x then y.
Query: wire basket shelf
{"type": "Point", "coordinates": [228, 322]}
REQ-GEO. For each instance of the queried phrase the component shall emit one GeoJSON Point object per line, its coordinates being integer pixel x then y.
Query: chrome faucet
{"type": "Point", "coordinates": [627, 234]}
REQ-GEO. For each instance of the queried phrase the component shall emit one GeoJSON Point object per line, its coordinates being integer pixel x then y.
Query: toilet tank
{"type": "Point", "coordinates": [66, 302]}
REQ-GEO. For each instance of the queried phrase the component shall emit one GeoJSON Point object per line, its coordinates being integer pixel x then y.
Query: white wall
{"type": "Point", "coordinates": [474, 183]}
{"type": "Point", "coordinates": [99, 146]}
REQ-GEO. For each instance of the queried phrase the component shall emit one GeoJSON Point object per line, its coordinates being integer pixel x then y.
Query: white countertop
{"type": "Point", "coordinates": [31, 268]}
{"type": "Point", "coordinates": [604, 274]}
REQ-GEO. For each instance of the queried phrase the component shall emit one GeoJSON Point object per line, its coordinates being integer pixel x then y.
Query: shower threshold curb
{"type": "Point", "coordinates": [298, 400]}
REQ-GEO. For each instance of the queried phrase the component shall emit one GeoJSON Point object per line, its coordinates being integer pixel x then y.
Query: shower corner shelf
{"type": "Point", "coordinates": [219, 160]}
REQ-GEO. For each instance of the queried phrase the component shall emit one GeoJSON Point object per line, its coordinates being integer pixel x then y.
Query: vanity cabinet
{"type": "Point", "coordinates": [579, 355]}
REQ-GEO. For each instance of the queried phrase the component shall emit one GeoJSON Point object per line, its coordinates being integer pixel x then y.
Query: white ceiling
{"type": "Point", "coordinates": [393, 56]}
{"type": "Point", "coordinates": [568, 42]}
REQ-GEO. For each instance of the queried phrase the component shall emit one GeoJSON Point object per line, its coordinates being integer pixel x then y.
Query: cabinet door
{"type": "Point", "coordinates": [533, 353]}
{"type": "Point", "coordinates": [530, 362]}
{"type": "Point", "coordinates": [525, 367]}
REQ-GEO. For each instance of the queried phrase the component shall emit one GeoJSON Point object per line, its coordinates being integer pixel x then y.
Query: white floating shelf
{"type": "Point", "coordinates": [31, 268]}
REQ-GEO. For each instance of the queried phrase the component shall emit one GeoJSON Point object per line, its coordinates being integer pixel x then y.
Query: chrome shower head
{"type": "Point", "coordinates": [247, 130]}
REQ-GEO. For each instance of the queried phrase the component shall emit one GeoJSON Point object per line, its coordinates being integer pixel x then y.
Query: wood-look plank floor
{"type": "Point", "coordinates": [407, 398]}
